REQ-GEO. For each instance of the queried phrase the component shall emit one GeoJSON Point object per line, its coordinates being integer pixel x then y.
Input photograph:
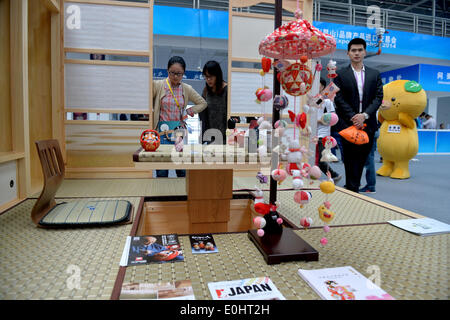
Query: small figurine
{"type": "Point", "coordinates": [331, 68]}
{"type": "Point", "coordinates": [327, 156]}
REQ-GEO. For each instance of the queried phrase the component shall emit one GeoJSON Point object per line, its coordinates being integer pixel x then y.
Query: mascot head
{"type": "Point", "coordinates": [402, 96]}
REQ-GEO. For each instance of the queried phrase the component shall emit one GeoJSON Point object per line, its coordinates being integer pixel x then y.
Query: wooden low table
{"type": "Point", "coordinates": [209, 181]}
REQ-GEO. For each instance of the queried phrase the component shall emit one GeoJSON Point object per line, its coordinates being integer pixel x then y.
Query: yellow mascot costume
{"type": "Point", "coordinates": [403, 101]}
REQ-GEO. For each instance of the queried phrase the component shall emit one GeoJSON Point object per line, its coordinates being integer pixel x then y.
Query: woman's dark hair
{"type": "Point", "coordinates": [213, 69]}
{"type": "Point", "coordinates": [356, 41]}
{"type": "Point", "coordinates": [323, 82]}
{"type": "Point", "coordinates": [176, 59]}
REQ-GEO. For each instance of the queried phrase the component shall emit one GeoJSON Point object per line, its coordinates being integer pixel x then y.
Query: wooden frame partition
{"type": "Point", "coordinates": [30, 92]}
{"type": "Point", "coordinates": [103, 149]}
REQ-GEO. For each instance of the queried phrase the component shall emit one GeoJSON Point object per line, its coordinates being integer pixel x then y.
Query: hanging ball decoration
{"type": "Point", "coordinates": [279, 221]}
{"type": "Point", "coordinates": [325, 215]}
{"type": "Point", "coordinates": [330, 118]}
{"type": "Point", "coordinates": [315, 173]}
{"type": "Point", "coordinates": [306, 222]}
{"type": "Point", "coordinates": [302, 197]}
{"type": "Point", "coordinates": [280, 102]}
{"type": "Point", "coordinates": [293, 77]}
{"type": "Point", "coordinates": [327, 187]}
{"type": "Point", "coordinates": [323, 241]}
{"type": "Point", "coordinates": [150, 140]}
{"type": "Point", "coordinates": [279, 175]}
{"type": "Point", "coordinates": [263, 94]}
{"type": "Point", "coordinates": [260, 232]}
{"type": "Point", "coordinates": [262, 73]}
{"type": "Point", "coordinates": [326, 229]}
{"type": "Point", "coordinates": [319, 67]}
{"type": "Point", "coordinates": [259, 222]}
{"type": "Point", "coordinates": [266, 63]}
{"type": "Point", "coordinates": [327, 204]}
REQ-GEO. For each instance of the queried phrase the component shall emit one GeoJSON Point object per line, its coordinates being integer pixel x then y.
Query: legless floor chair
{"type": "Point", "coordinates": [46, 213]}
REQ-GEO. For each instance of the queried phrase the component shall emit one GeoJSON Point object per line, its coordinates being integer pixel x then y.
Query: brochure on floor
{"type": "Point", "coordinates": [151, 249]}
{"type": "Point", "coordinates": [422, 227]}
{"type": "Point", "coordinates": [171, 290]}
{"type": "Point", "coordinates": [261, 288]}
{"type": "Point", "coordinates": [343, 283]}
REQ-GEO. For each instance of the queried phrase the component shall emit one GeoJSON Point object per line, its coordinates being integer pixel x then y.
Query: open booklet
{"type": "Point", "coordinates": [261, 288]}
{"type": "Point", "coordinates": [422, 227]}
{"type": "Point", "coordinates": [151, 249]}
{"type": "Point", "coordinates": [171, 290]}
{"type": "Point", "coordinates": [342, 283]}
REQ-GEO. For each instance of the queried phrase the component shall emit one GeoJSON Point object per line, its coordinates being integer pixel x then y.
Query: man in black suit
{"type": "Point", "coordinates": [360, 96]}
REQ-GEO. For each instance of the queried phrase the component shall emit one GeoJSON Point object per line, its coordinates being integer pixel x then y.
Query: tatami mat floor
{"type": "Point", "coordinates": [37, 263]}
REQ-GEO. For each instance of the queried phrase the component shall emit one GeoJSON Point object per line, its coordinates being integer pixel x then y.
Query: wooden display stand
{"type": "Point", "coordinates": [283, 247]}
{"type": "Point", "coordinates": [209, 206]}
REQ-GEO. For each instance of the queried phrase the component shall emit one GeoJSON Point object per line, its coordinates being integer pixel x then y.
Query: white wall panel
{"type": "Point", "coordinates": [247, 33]}
{"type": "Point", "coordinates": [243, 88]}
{"type": "Point", "coordinates": [106, 87]}
{"type": "Point", "coordinates": [106, 27]}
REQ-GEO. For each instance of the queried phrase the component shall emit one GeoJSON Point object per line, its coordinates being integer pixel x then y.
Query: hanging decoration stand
{"type": "Point", "coordinates": [277, 243]}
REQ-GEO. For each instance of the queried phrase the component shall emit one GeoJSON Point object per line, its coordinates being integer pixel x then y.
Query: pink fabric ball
{"type": "Point", "coordinates": [315, 172]}
{"type": "Point", "coordinates": [260, 232]}
{"type": "Point", "coordinates": [279, 174]}
{"type": "Point", "coordinates": [259, 222]}
{"type": "Point", "coordinates": [279, 221]}
{"type": "Point", "coordinates": [323, 241]}
{"type": "Point", "coordinates": [327, 204]}
{"type": "Point", "coordinates": [326, 229]}
{"type": "Point", "coordinates": [334, 119]}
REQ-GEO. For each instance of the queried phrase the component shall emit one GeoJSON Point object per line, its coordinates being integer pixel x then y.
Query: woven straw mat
{"type": "Point", "coordinates": [411, 267]}
{"type": "Point", "coordinates": [37, 263]}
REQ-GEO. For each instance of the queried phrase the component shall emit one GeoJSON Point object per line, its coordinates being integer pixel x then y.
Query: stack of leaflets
{"type": "Point", "coordinates": [175, 290]}
{"type": "Point", "coordinates": [151, 249]}
{"type": "Point", "coordinates": [203, 243]}
{"type": "Point", "coordinates": [343, 283]}
{"type": "Point", "coordinates": [261, 288]}
{"type": "Point", "coordinates": [422, 227]}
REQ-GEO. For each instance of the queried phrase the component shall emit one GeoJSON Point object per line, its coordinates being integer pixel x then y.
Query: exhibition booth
{"type": "Point", "coordinates": [82, 212]}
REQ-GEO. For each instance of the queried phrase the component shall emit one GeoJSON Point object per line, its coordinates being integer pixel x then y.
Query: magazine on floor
{"type": "Point", "coordinates": [422, 227]}
{"type": "Point", "coordinates": [172, 290]}
{"type": "Point", "coordinates": [343, 283]}
{"type": "Point", "coordinates": [261, 288]}
{"type": "Point", "coordinates": [203, 243]}
{"type": "Point", "coordinates": [151, 249]}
